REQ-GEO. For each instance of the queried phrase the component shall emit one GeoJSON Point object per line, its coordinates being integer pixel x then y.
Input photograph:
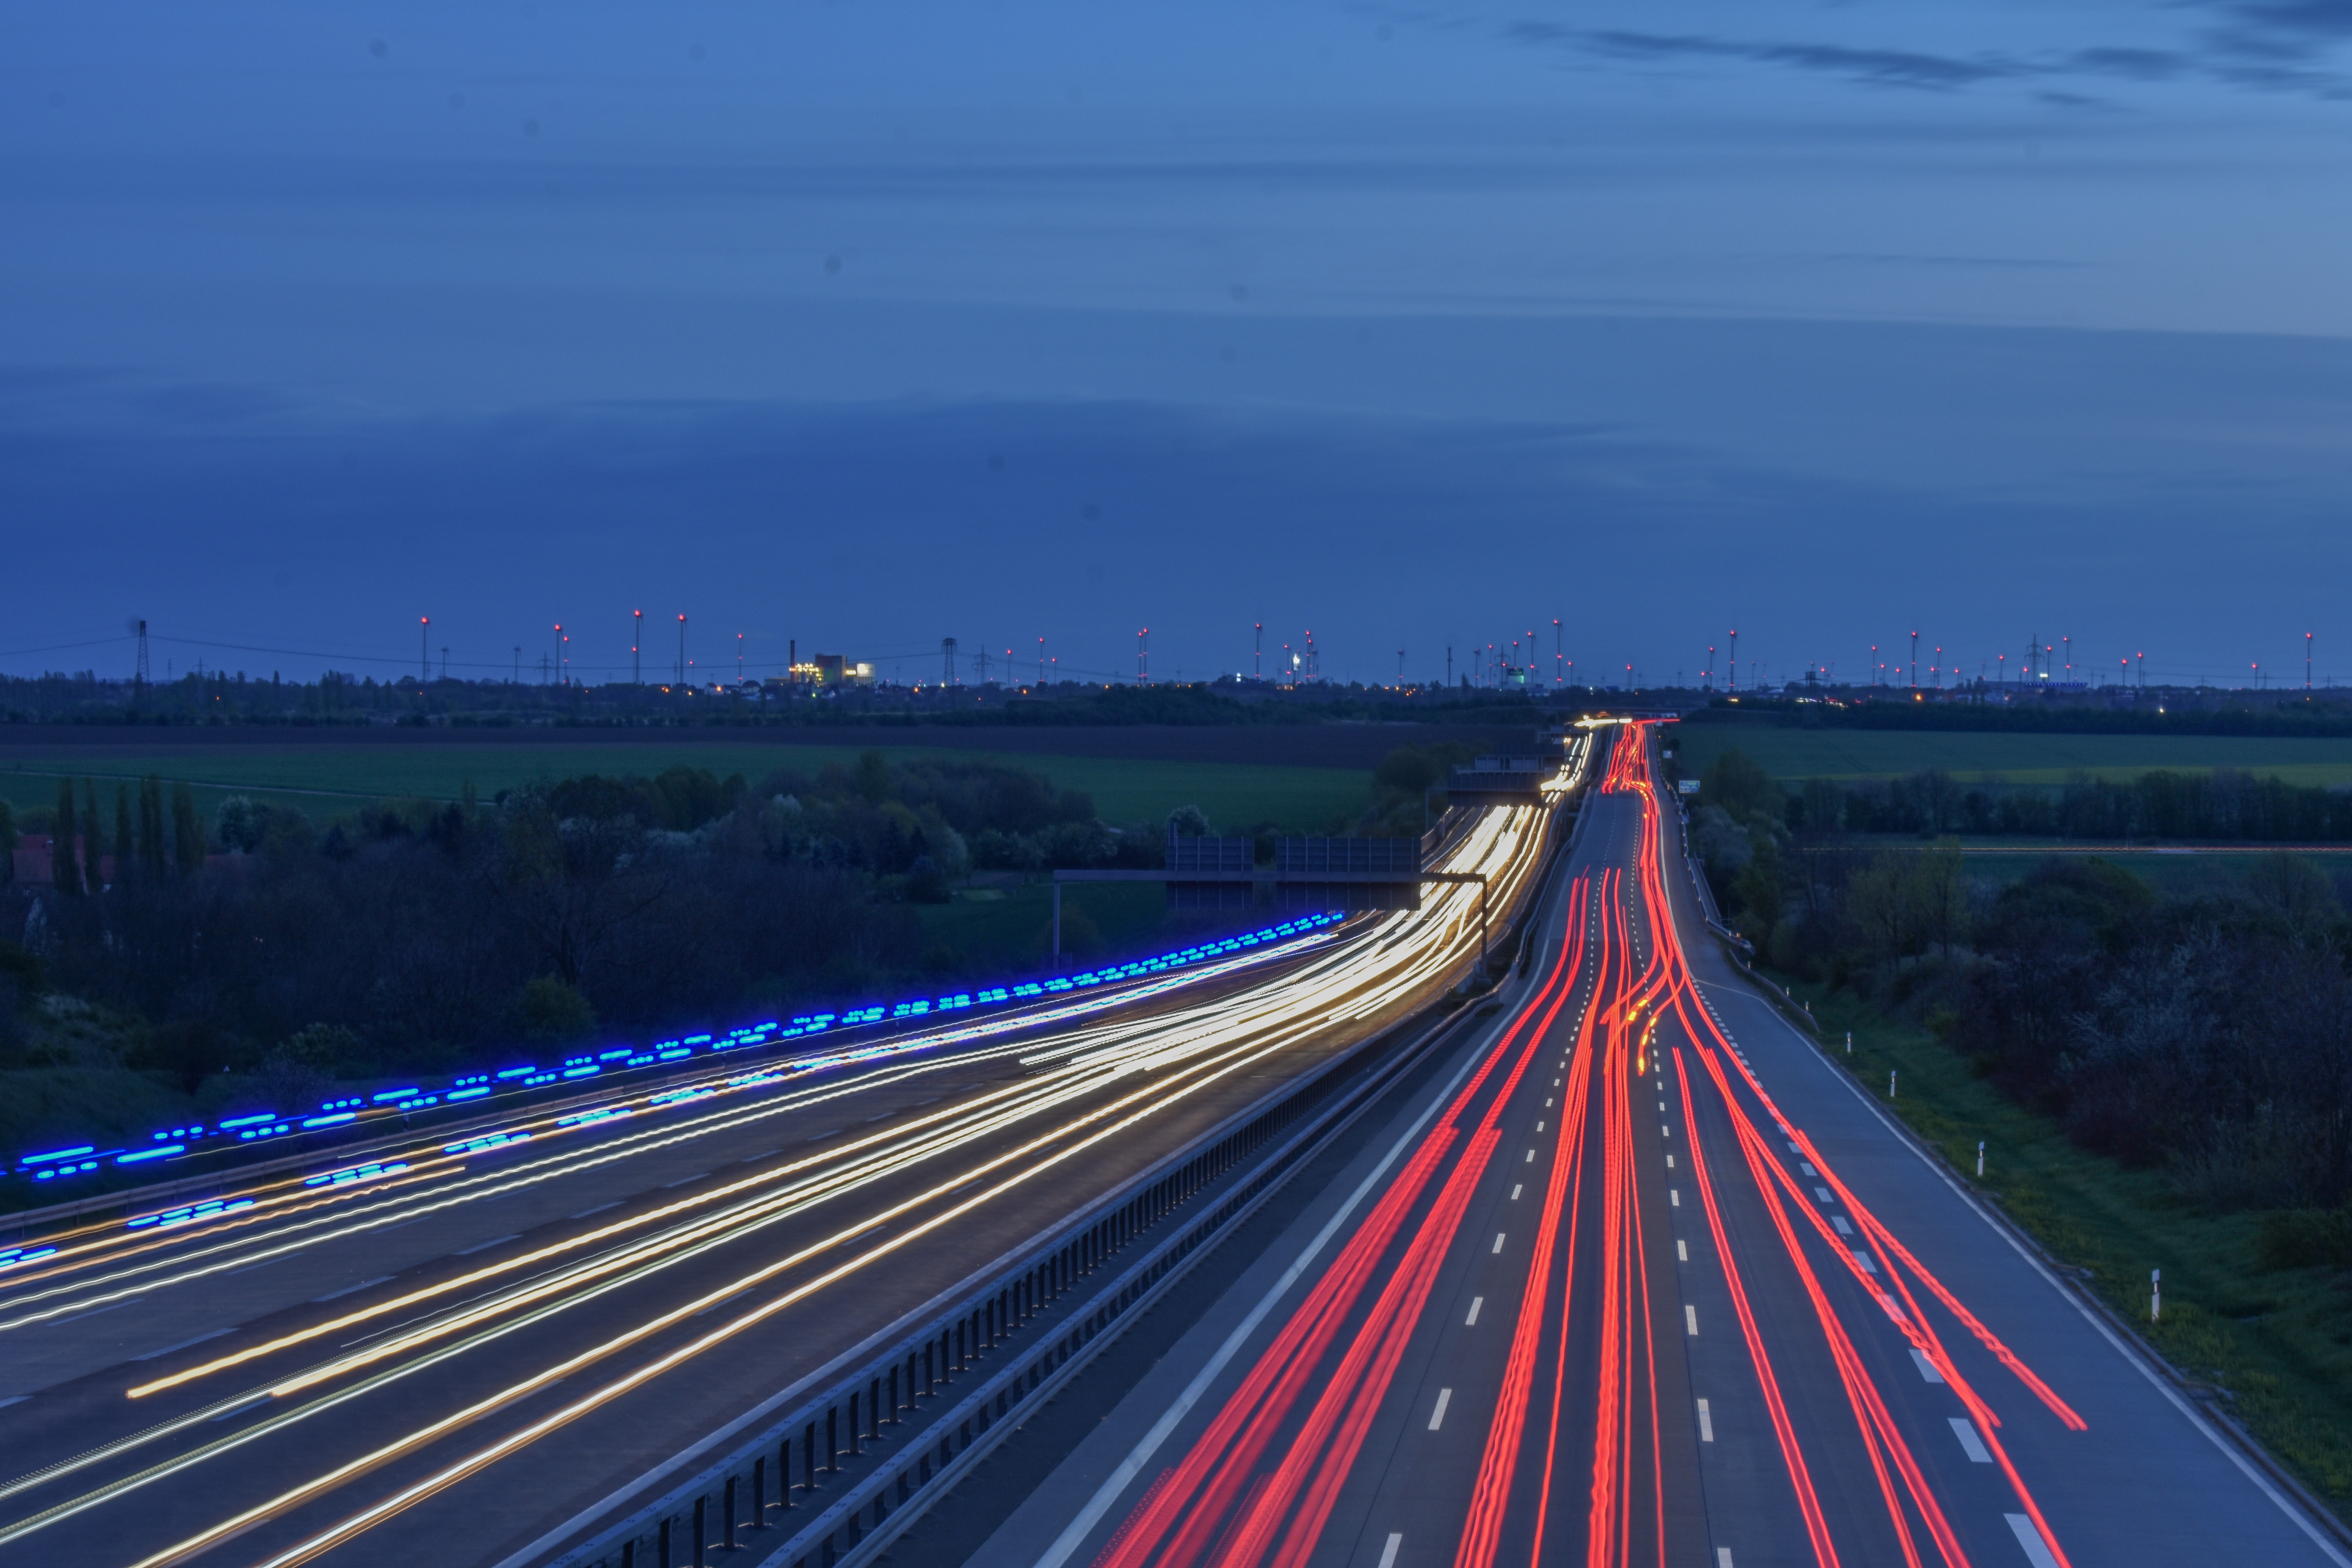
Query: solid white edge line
{"type": "Point", "coordinates": [1074, 1533]}
{"type": "Point", "coordinates": [2036, 1551]}
{"type": "Point", "coordinates": [2027, 1536]}
{"type": "Point", "coordinates": [2123, 1347]}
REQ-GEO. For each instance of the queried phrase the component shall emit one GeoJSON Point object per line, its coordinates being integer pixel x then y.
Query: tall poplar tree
{"type": "Point", "coordinates": [93, 840]}
{"type": "Point", "coordinates": [187, 830]}
{"type": "Point", "coordinates": [64, 870]}
{"type": "Point", "coordinates": [152, 858]}
{"type": "Point", "coordinates": [122, 846]}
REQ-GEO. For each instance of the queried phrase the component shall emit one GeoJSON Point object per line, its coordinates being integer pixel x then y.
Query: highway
{"type": "Point", "coordinates": [446, 1355]}
{"type": "Point", "coordinates": [1647, 1279]}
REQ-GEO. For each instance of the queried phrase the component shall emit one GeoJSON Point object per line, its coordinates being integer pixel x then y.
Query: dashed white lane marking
{"type": "Point", "coordinates": [599, 1208]}
{"type": "Point", "coordinates": [1516, 1187]}
{"type": "Point", "coordinates": [183, 1344]}
{"type": "Point", "coordinates": [1823, 1194]}
{"type": "Point", "coordinates": [1806, 1166]}
{"type": "Point", "coordinates": [1670, 1161]}
{"type": "Point", "coordinates": [13, 1399]}
{"type": "Point", "coordinates": [348, 1288]}
{"type": "Point", "coordinates": [1972, 1444]}
{"type": "Point", "coordinates": [1388, 1553]}
{"type": "Point", "coordinates": [1531, 1156]}
{"type": "Point", "coordinates": [1690, 1319]}
{"type": "Point", "coordinates": [1842, 1228]}
{"type": "Point", "coordinates": [1863, 1258]}
{"type": "Point", "coordinates": [1722, 1557]}
{"type": "Point", "coordinates": [1477, 1301]}
{"type": "Point", "coordinates": [1665, 1130]}
{"type": "Point", "coordinates": [1681, 1252]}
{"type": "Point", "coordinates": [2037, 1552]}
{"type": "Point", "coordinates": [486, 1245]}
{"type": "Point", "coordinates": [1675, 1196]}
{"type": "Point", "coordinates": [1662, 1105]}
{"type": "Point", "coordinates": [1706, 1424]}
{"type": "Point", "coordinates": [1540, 1126]}
{"type": "Point", "coordinates": [683, 1180]}
{"type": "Point", "coordinates": [1498, 1241]}
{"type": "Point", "coordinates": [1926, 1368]}
{"type": "Point", "coordinates": [1437, 1416]}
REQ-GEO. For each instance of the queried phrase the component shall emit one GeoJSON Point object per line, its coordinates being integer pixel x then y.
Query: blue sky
{"type": "Point", "coordinates": [868, 325]}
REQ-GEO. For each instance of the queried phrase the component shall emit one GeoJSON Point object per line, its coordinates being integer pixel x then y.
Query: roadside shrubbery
{"type": "Point", "coordinates": [2210, 1036]}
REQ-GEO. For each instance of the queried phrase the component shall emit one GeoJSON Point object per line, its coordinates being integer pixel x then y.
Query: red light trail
{"type": "Point", "coordinates": [1585, 1453]}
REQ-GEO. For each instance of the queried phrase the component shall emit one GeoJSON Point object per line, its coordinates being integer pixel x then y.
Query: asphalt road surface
{"type": "Point", "coordinates": [1648, 1280]}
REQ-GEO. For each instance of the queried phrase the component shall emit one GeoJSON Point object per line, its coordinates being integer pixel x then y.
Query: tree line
{"type": "Point", "coordinates": [418, 935]}
{"type": "Point", "coordinates": [2207, 1033]}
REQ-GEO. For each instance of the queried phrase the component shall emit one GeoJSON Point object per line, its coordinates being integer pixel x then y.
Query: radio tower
{"type": "Point", "coordinates": [1257, 653]}
{"type": "Point", "coordinates": [424, 653]}
{"type": "Point", "coordinates": [638, 649]}
{"type": "Point", "coordinates": [681, 650]}
{"type": "Point", "coordinates": [1731, 659]}
{"type": "Point", "coordinates": [1558, 676]}
{"type": "Point", "coordinates": [946, 661]}
{"type": "Point", "coordinates": [141, 676]}
{"type": "Point", "coordinates": [1143, 657]}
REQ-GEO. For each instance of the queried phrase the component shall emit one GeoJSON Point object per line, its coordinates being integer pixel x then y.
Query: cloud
{"type": "Point", "coordinates": [1883, 68]}
{"type": "Point", "coordinates": [2295, 31]}
{"type": "Point", "coordinates": [2285, 29]}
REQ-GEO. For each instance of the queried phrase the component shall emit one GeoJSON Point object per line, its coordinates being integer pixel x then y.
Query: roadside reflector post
{"type": "Point", "coordinates": [2155, 1294]}
{"type": "Point", "coordinates": [1849, 1042]}
{"type": "Point", "coordinates": [1890, 1084]}
{"type": "Point", "coordinates": [1980, 1158]}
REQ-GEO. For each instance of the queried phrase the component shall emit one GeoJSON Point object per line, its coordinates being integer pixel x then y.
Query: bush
{"type": "Point", "coordinates": [925, 883]}
{"type": "Point", "coordinates": [551, 1013]}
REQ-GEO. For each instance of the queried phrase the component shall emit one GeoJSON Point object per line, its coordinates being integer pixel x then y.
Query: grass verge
{"type": "Point", "coordinates": [2275, 1347]}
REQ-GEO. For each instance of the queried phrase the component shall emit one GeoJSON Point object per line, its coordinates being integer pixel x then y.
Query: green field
{"type": "Point", "coordinates": [326, 783]}
{"type": "Point", "coordinates": [1851, 755]}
